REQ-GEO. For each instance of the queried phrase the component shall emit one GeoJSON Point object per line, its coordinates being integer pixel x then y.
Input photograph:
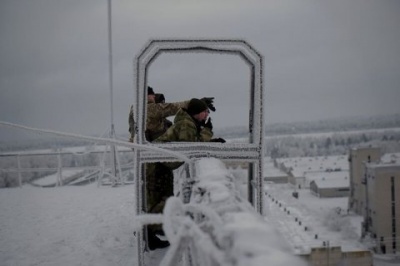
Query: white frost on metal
{"type": "Point", "coordinates": [218, 226]}
{"type": "Point", "coordinates": [251, 152]}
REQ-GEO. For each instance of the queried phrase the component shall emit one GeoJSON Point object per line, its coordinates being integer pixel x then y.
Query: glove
{"type": "Point", "coordinates": [208, 124]}
{"type": "Point", "coordinates": [220, 140]}
{"type": "Point", "coordinates": [209, 101]}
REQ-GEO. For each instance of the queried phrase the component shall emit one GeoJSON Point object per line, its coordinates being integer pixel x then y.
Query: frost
{"type": "Point", "coordinates": [220, 225]}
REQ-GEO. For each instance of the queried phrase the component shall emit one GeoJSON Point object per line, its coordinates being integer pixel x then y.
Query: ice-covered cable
{"type": "Point", "coordinates": [102, 140]}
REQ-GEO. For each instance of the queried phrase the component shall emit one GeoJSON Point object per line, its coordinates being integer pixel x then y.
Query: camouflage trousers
{"type": "Point", "coordinates": [159, 187]}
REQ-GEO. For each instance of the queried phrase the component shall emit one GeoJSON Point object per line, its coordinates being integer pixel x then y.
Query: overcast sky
{"type": "Point", "coordinates": [322, 59]}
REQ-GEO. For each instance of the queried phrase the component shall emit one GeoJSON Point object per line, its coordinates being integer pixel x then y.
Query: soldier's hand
{"type": "Point", "coordinates": [210, 102]}
{"type": "Point", "coordinates": [208, 124]}
{"type": "Point", "coordinates": [220, 140]}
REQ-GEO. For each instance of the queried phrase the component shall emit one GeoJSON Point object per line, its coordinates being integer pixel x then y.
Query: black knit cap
{"type": "Point", "coordinates": [196, 106]}
{"type": "Point", "coordinates": [150, 91]}
{"type": "Point", "coordinates": [160, 98]}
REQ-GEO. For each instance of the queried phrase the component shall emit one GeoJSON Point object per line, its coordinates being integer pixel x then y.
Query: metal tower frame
{"type": "Point", "coordinates": [252, 152]}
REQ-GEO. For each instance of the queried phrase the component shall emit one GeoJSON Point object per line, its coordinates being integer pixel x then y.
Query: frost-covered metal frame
{"type": "Point", "coordinates": [249, 152]}
{"type": "Point", "coordinates": [252, 152]}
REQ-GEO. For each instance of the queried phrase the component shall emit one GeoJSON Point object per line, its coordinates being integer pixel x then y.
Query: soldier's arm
{"type": "Point", "coordinates": [206, 134]}
{"type": "Point", "coordinates": [170, 109]}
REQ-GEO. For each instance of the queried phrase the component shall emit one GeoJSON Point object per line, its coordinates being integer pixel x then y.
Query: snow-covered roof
{"type": "Point", "coordinates": [270, 170]}
{"type": "Point", "coordinates": [391, 158]}
{"type": "Point", "coordinates": [332, 183]}
{"type": "Point", "coordinates": [329, 179]}
{"type": "Point", "coordinates": [302, 165]}
{"type": "Point", "coordinates": [326, 219]}
{"type": "Point", "coordinates": [384, 166]}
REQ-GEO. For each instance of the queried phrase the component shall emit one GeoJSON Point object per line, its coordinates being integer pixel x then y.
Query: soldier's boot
{"type": "Point", "coordinates": [154, 242]}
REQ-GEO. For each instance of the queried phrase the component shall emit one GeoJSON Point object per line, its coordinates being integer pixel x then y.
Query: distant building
{"type": "Point", "coordinates": [272, 173]}
{"type": "Point", "coordinates": [331, 184]}
{"type": "Point", "coordinates": [328, 174]}
{"type": "Point", "coordinates": [357, 158]}
{"type": "Point", "coordinates": [382, 219]}
{"type": "Point", "coordinates": [296, 178]}
{"type": "Point", "coordinates": [326, 256]}
{"type": "Point", "coordinates": [299, 169]}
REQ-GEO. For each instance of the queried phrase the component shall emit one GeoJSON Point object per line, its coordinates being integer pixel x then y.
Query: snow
{"type": "Point", "coordinates": [270, 170]}
{"type": "Point", "coordinates": [79, 150]}
{"type": "Point", "coordinates": [94, 225]}
{"type": "Point", "coordinates": [228, 219]}
{"type": "Point", "coordinates": [301, 165]}
{"type": "Point", "coordinates": [52, 179]}
{"type": "Point", "coordinates": [391, 158]}
{"type": "Point", "coordinates": [85, 225]}
{"type": "Point", "coordinates": [337, 179]}
{"type": "Point", "coordinates": [325, 217]}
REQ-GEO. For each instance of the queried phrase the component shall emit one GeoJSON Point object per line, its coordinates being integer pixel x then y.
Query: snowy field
{"type": "Point", "coordinates": [91, 225]}
{"type": "Point", "coordinates": [85, 225]}
{"type": "Point", "coordinates": [309, 221]}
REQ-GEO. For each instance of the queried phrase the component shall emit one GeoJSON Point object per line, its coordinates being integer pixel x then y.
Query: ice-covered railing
{"type": "Point", "coordinates": [219, 227]}
{"type": "Point", "coordinates": [99, 140]}
{"type": "Point", "coordinates": [243, 152]}
{"type": "Point", "coordinates": [152, 148]}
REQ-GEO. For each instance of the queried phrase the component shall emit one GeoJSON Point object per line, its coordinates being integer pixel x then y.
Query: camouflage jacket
{"type": "Point", "coordinates": [187, 129]}
{"type": "Point", "coordinates": [156, 114]}
{"type": "Point", "coordinates": [156, 122]}
{"type": "Point", "coordinates": [131, 122]}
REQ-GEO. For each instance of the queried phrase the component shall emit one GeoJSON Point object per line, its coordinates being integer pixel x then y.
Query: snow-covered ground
{"type": "Point", "coordinates": [94, 225]}
{"type": "Point", "coordinates": [309, 221]}
{"type": "Point", "coordinates": [51, 180]}
{"type": "Point", "coordinates": [85, 225]}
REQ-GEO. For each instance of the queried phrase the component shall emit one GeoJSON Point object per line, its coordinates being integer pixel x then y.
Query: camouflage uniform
{"type": "Point", "coordinates": [131, 121]}
{"type": "Point", "coordinates": [187, 129]}
{"type": "Point", "coordinates": [156, 122]}
{"type": "Point", "coordinates": [159, 176]}
{"type": "Point", "coordinates": [159, 186]}
{"type": "Point", "coordinates": [156, 114]}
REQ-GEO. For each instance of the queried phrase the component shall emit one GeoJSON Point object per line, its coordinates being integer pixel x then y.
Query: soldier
{"type": "Point", "coordinates": [159, 178]}
{"type": "Point", "coordinates": [131, 122]}
{"type": "Point", "coordinates": [189, 125]}
{"type": "Point", "coordinates": [157, 112]}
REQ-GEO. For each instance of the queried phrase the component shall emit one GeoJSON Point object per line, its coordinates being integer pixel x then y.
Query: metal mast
{"type": "Point", "coordinates": [114, 174]}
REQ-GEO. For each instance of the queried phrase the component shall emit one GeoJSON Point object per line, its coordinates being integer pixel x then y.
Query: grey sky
{"type": "Point", "coordinates": [323, 59]}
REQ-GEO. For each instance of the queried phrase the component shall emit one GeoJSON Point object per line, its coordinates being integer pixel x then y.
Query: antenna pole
{"type": "Point", "coordinates": [112, 132]}
{"type": "Point", "coordinates": [110, 64]}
